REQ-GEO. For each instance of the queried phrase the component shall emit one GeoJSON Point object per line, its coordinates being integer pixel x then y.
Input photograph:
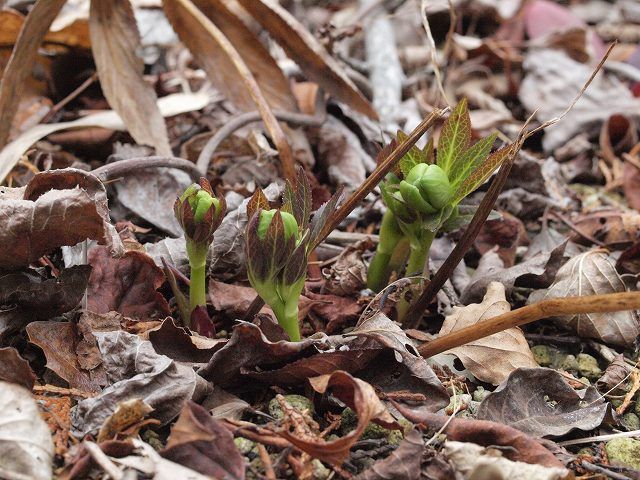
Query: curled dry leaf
{"type": "Point", "coordinates": [15, 369]}
{"type": "Point", "coordinates": [126, 285]}
{"type": "Point", "coordinates": [204, 444]}
{"type": "Point", "coordinates": [615, 376]}
{"type": "Point", "coordinates": [59, 207]}
{"type": "Point", "coordinates": [307, 52]}
{"type": "Point", "coordinates": [135, 370]}
{"type": "Point", "coordinates": [493, 358]}
{"type": "Point", "coordinates": [593, 273]}
{"type": "Point", "coordinates": [539, 402]}
{"type": "Point", "coordinates": [126, 415]}
{"type": "Point", "coordinates": [27, 448]}
{"type": "Point", "coordinates": [524, 448]}
{"type": "Point", "coordinates": [361, 398]}
{"type": "Point", "coordinates": [115, 42]}
{"type": "Point", "coordinates": [174, 342]}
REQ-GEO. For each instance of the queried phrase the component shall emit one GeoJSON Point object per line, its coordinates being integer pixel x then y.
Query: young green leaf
{"type": "Point", "coordinates": [412, 158]}
{"type": "Point", "coordinates": [470, 159]}
{"type": "Point", "coordinates": [297, 199]}
{"type": "Point", "coordinates": [481, 173]}
{"type": "Point", "coordinates": [455, 136]}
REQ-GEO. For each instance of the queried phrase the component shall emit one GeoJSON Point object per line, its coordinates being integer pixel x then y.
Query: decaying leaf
{"type": "Point", "coordinates": [25, 440]}
{"type": "Point", "coordinates": [15, 369]}
{"type": "Point", "coordinates": [593, 273]}
{"type": "Point", "coordinates": [493, 358]}
{"type": "Point", "coordinates": [126, 285]}
{"type": "Point", "coordinates": [115, 42]}
{"type": "Point", "coordinates": [615, 376]}
{"type": "Point", "coordinates": [174, 342]}
{"type": "Point", "coordinates": [135, 370]}
{"type": "Point", "coordinates": [127, 414]}
{"type": "Point", "coordinates": [361, 398]}
{"type": "Point", "coordinates": [404, 463]}
{"type": "Point", "coordinates": [204, 444]}
{"type": "Point", "coordinates": [538, 401]}
{"type": "Point", "coordinates": [59, 207]}
{"type": "Point", "coordinates": [480, 463]}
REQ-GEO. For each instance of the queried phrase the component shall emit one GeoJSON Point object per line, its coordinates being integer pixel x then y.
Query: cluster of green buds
{"type": "Point", "coordinates": [199, 213]}
{"type": "Point", "coordinates": [423, 193]}
{"type": "Point", "coordinates": [277, 244]}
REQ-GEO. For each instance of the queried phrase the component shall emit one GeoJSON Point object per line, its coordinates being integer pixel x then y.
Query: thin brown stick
{"type": "Point", "coordinates": [612, 302]}
{"type": "Point", "coordinates": [269, 473]}
{"type": "Point", "coordinates": [72, 96]}
{"type": "Point", "coordinates": [123, 168]}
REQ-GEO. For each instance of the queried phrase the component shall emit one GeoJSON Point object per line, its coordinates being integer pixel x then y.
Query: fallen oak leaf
{"type": "Point", "coordinates": [360, 397]}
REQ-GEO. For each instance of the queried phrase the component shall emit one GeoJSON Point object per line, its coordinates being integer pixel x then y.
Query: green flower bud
{"type": "Point", "coordinates": [288, 221]}
{"type": "Point", "coordinates": [199, 212]}
{"type": "Point", "coordinates": [426, 188]}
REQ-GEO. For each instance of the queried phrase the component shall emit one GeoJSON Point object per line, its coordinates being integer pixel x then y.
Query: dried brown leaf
{"type": "Point", "coordinates": [493, 358]}
{"type": "Point", "coordinates": [15, 369]}
{"type": "Point", "coordinates": [307, 52]}
{"type": "Point", "coordinates": [404, 463]}
{"type": "Point", "coordinates": [593, 273]}
{"type": "Point", "coordinates": [115, 42]}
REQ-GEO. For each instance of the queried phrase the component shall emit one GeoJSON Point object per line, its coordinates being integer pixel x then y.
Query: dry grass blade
{"type": "Point", "coordinates": [612, 302]}
{"type": "Point", "coordinates": [307, 52]}
{"type": "Point", "coordinates": [22, 60]}
{"type": "Point", "coordinates": [226, 68]}
{"type": "Point", "coordinates": [114, 41]}
{"type": "Point", "coordinates": [273, 84]}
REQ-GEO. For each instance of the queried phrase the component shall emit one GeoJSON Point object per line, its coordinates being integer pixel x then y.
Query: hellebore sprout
{"type": "Point", "coordinates": [199, 213]}
{"type": "Point", "coordinates": [277, 244]}
{"type": "Point", "coordinates": [423, 194]}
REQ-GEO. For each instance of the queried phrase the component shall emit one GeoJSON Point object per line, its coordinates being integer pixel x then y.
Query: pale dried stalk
{"type": "Point", "coordinates": [612, 302]}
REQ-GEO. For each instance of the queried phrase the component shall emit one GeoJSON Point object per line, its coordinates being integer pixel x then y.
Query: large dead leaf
{"type": "Point", "coordinates": [58, 207]}
{"type": "Point", "coordinates": [523, 448]}
{"type": "Point", "coordinates": [226, 68]}
{"type": "Point", "coordinates": [126, 285]}
{"type": "Point", "coordinates": [307, 52]}
{"type": "Point", "coordinates": [491, 359]}
{"type": "Point", "coordinates": [25, 439]}
{"type": "Point", "coordinates": [57, 340]}
{"type": "Point", "coordinates": [22, 61]}
{"type": "Point", "coordinates": [593, 273]}
{"type": "Point", "coordinates": [404, 463]}
{"type": "Point", "coordinates": [361, 398]}
{"type": "Point", "coordinates": [538, 401]}
{"type": "Point", "coordinates": [115, 42]}
{"type": "Point", "coordinates": [273, 84]}
{"type": "Point", "coordinates": [175, 343]}
{"type": "Point", "coordinates": [135, 370]}
{"type": "Point", "coordinates": [204, 444]}
{"type": "Point", "coordinates": [15, 369]}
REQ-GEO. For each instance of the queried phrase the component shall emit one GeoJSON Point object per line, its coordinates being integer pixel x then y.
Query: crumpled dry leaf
{"type": "Point", "coordinates": [337, 310]}
{"type": "Point", "coordinates": [539, 402]}
{"type": "Point", "coordinates": [115, 42]}
{"type": "Point", "coordinates": [507, 232]}
{"type": "Point", "coordinates": [361, 398]}
{"type": "Point", "coordinates": [204, 444]}
{"type": "Point", "coordinates": [474, 461]}
{"type": "Point", "coordinates": [593, 273]}
{"type": "Point", "coordinates": [537, 271]}
{"type": "Point", "coordinates": [27, 448]}
{"type": "Point", "coordinates": [490, 359]}
{"type": "Point", "coordinates": [348, 275]}
{"type": "Point", "coordinates": [59, 207]}
{"type": "Point", "coordinates": [135, 370]}
{"type": "Point", "coordinates": [552, 81]}
{"type": "Point", "coordinates": [402, 464]}
{"type": "Point", "coordinates": [307, 52]}
{"type": "Point", "coordinates": [15, 369]}
{"type": "Point", "coordinates": [126, 285]}
{"type": "Point", "coordinates": [174, 342]}
{"type": "Point", "coordinates": [524, 448]}
{"type": "Point", "coordinates": [57, 340]}
{"type": "Point", "coordinates": [126, 415]}
{"type": "Point", "coordinates": [615, 375]}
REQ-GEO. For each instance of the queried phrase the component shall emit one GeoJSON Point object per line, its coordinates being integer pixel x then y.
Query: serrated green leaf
{"type": "Point", "coordinates": [455, 136]}
{"type": "Point", "coordinates": [410, 159]}
{"type": "Point", "coordinates": [481, 173]}
{"type": "Point", "coordinates": [470, 159]}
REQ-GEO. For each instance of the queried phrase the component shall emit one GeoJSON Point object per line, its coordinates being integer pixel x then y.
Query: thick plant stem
{"type": "Point", "coordinates": [287, 315]}
{"type": "Point", "coordinates": [416, 266]}
{"type": "Point", "coordinates": [197, 290]}
{"type": "Point", "coordinates": [390, 236]}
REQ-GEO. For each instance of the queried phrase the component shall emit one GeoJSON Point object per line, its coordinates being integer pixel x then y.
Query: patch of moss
{"type": "Point", "coordinates": [630, 421]}
{"type": "Point", "coordinates": [296, 401]}
{"type": "Point", "coordinates": [625, 451]}
{"type": "Point", "coordinates": [542, 356]}
{"type": "Point", "coordinates": [588, 366]}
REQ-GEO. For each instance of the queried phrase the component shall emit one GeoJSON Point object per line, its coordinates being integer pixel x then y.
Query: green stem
{"type": "Point", "coordinates": [197, 261]}
{"type": "Point", "coordinates": [418, 265]}
{"type": "Point", "coordinates": [390, 236]}
{"type": "Point", "coordinates": [287, 315]}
